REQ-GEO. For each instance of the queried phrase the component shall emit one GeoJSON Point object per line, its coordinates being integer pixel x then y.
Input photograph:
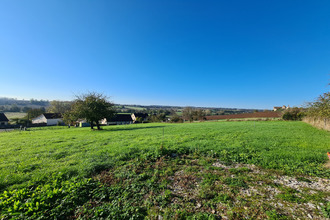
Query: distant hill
{"type": "Point", "coordinates": [16, 105]}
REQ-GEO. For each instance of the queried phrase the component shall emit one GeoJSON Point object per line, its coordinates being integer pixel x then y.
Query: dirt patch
{"type": "Point", "coordinates": [208, 185]}
{"type": "Point", "coordinates": [327, 165]}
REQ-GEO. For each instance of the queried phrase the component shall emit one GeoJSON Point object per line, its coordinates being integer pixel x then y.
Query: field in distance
{"type": "Point", "coordinates": [235, 170]}
{"type": "Point", "coordinates": [12, 115]}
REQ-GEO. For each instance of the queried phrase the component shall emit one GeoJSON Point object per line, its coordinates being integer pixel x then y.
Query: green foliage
{"type": "Point", "coordinates": [56, 198]}
{"type": "Point", "coordinates": [91, 106]}
{"type": "Point", "coordinates": [160, 117]}
{"type": "Point", "coordinates": [326, 210]}
{"type": "Point", "coordinates": [59, 107]}
{"type": "Point", "coordinates": [321, 107]}
{"type": "Point", "coordinates": [176, 118]}
{"type": "Point", "coordinates": [35, 112]}
{"type": "Point", "coordinates": [293, 114]}
{"type": "Point", "coordinates": [191, 114]}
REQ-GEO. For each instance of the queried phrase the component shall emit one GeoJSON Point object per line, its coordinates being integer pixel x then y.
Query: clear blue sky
{"type": "Point", "coordinates": [243, 54]}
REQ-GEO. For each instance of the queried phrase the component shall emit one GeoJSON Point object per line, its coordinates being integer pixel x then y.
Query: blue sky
{"type": "Point", "coordinates": [242, 54]}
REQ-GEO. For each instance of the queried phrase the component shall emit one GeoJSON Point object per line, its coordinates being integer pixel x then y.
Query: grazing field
{"type": "Point", "coordinates": [269, 114]}
{"type": "Point", "coordinates": [238, 170]}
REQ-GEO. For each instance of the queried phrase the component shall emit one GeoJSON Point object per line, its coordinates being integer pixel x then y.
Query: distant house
{"type": "Point", "coordinates": [143, 116]}
{"type": "Point", "coordinates": [118, 119]}
{"type": "Point", "coordinates": [48, 119]}
{"type": "Point", "coordinates": [3, 119]}
{"type": "Point", "coordinates": [280, 108]}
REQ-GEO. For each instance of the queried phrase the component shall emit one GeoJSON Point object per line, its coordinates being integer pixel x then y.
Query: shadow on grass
{"type": "Point", "coordinates": [128, 128]}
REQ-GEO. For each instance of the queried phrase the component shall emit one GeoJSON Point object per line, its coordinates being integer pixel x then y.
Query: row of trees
{"type": "Point", "coordinates": [15, 108]}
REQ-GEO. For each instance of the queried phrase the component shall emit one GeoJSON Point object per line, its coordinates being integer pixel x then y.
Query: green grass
{"type": "Point", "coordinates": [42, 160]}
{"type": "Point", "coordinates": [134, 108]}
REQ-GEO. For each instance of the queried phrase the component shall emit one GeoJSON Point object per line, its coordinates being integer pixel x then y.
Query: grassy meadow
{"type": "Point", "coordinates": [206, 170]}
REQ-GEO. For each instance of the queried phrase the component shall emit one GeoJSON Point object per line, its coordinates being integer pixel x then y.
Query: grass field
{"type": "Point", "coordinates": [263, 169]}
{"type": "Point", "coordinates": [135, 108]}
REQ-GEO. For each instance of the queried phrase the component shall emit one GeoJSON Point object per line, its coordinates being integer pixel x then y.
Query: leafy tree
{"type": "Point", "coordinates": [161, 117]}
{"type": "Point", "coordinates": [293, 114]}
{"type": "Point", "coordinates": [93, 107]}
{"type": "Point", "coordinates": [321, 107]}
{"type": "Point", "coordinates": [32, 113]}
{"type": "Point", "coordinates": [175, 117]}
{"type": "Point", "coordinates": [59, 107]}
{"type": "Point", "coordinates": [199, 114]}
{"type": "Point", "coordinates": [187, 114]}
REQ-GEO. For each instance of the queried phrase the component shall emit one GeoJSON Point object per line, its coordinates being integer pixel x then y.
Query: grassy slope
{"type": "Point", "coordinates": [200, 172]}
{"type": "Point", "coordinates": [293, 147]}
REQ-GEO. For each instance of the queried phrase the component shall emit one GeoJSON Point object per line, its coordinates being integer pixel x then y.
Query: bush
{"type": "Point", "coordinates": [293, 114]}
{"type": "Point", "coordinates": [321, 107]}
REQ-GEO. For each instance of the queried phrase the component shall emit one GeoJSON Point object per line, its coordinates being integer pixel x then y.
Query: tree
{"type": "Point", "coordinates": [59, 107]}
{"type": "Point", "coordinates": [293, 114]}
{"type": "Point", "coordinates": [93, 107]}
{"type": "Point", "coordinates": [35, 112]}
{"type": "Point", "coordinates": [321, 107]}
{"type": "Point", "coordinates": [187, 114]}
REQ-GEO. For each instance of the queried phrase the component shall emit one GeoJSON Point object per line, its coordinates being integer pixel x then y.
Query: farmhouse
{"type": "Point", "coordinates": [135, 116]}
{"type": "Point", "coordinates": [280, 108]}
{"type": "Point", "coordinates": [48, 119]}
{"type": "Point", "coordinates": [118, 119]}
{"type": "Point", "coordinates": [3, 119]}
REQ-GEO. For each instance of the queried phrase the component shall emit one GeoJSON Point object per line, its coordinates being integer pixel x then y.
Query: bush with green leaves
{"type": "Point", "coordinates": [293, 114]}
{"type": "Point", "coordinates": [321, 107]}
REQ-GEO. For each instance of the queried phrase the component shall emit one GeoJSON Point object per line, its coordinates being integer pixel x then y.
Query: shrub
{"type": "Point", "coordinates": [293, 114]}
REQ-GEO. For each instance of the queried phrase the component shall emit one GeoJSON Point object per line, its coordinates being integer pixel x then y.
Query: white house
{"type": "Point", "coordinates": [3, 119]}
{"type": "Point", "coordinates": [48, 118]}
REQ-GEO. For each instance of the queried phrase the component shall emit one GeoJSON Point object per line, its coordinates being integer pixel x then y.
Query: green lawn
{"type": "Point", "coordinates": [41, 160]}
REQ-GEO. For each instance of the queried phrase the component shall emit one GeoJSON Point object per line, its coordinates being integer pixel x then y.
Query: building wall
{"type": "Point", "coordinates": [3, 123]}
{"type": "Point", "coordinates": [40, 119]}
{"type": "Point", "coordinates": [54, 121]}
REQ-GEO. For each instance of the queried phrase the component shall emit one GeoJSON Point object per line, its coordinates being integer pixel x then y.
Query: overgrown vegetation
{"type": "Point", "coordinates": [194, 170]}
{"type": "Point", "coordinates": [321, 107]}
{"type": "Point", "coordinates": [293, 114]}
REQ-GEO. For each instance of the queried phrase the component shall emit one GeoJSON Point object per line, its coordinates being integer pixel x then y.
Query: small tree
{"type": "Point", "coordinates": [59, 107]}
{"type": "Point", "coordinates": [321, 107]}
{"type": "Point", "coordinates": [93, 107]}
{"type": "Point", "coordinates": [293, 114]}
{"type": "Point", "coordinates": [187, 114]}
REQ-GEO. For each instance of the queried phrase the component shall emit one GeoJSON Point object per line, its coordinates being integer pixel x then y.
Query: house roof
{"type": "Point", "coordinates": [3, 117]}
{"type": "Point", "coordinates": [52, 115]}
{"type": "Point", "coordinates": [121, 117]}
{"type": "Point", "coordinates": [141, 115]}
